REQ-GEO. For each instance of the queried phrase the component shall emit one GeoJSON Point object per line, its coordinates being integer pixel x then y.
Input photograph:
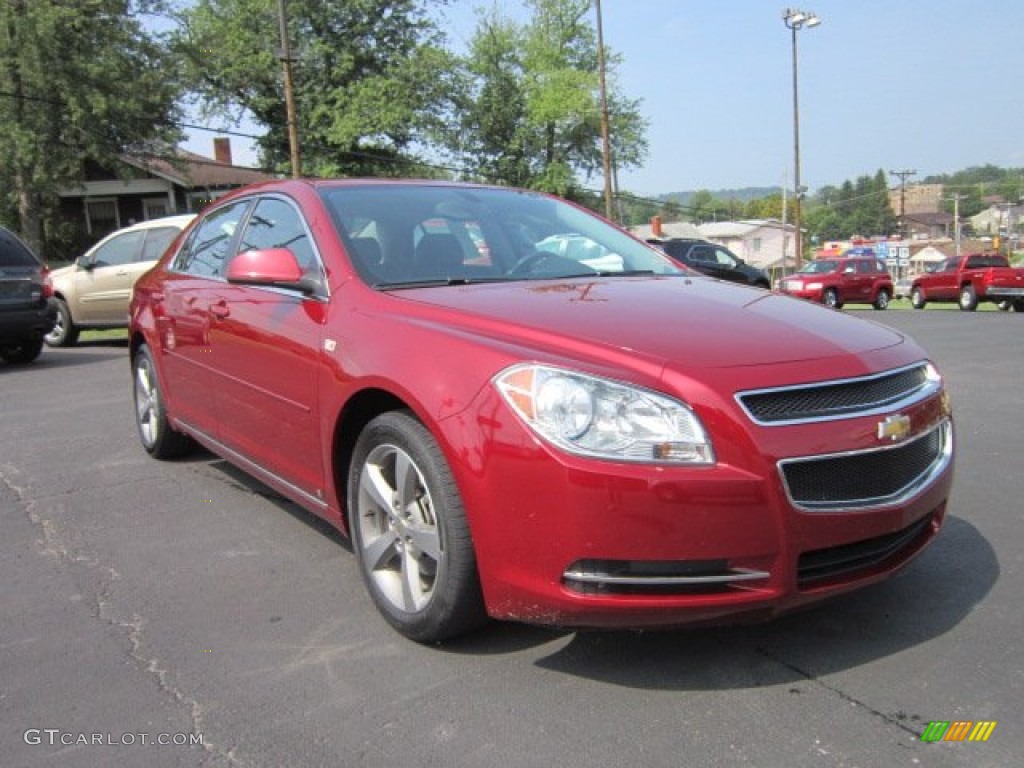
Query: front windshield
{"type": "Point", "coordinates": [414, 234]}
{"type": "Point", "coordinates": [819, 267]}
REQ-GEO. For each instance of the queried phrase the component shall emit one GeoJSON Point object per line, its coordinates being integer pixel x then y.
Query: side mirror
{"type": "Point", "coordinates": [272, 267]}
{"type": "Point", "coordinates": [848, 271]}
{"type": "Point", "coordinates": [83, 263]}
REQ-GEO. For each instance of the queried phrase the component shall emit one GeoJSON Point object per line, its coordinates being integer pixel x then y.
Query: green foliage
{"type": "Point", "coordinates": [370, 78]}
{"type": "Point", "coordinates": [976, 184]}
{"type": "Point", "coordinates": [531, 114]}
{"type": "Point", "coordinates": [856, 208]}
{"type": "Point", "coordinates": [77, 80]}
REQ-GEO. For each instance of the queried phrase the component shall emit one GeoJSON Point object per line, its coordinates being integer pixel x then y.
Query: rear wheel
{"type": "Point", "coordinates": [917, 300]}
{"type": "Point", "coordinates": [968, 298]}
{"type": "Point", "coordinates": [410, 531]}
{"type": "Point", "coordinates": [1018, 305]}
{"type": "Point", "coordinates": [831, 298]}
{"type": "Point", "coordinates": [64, 333]}
{"type": "Point", "coordinates": [881, 300]}
{"type": "Point", "coordinates": [159, 439]}
{"type": "Point", "coordinates": [24, 351]}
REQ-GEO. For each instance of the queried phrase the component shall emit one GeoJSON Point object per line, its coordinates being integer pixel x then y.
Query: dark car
{"type": "Point", "coordinates": [27, 312]}
{"type": "Point", "coordinates": [711, 259]}
{"type": "Point", "coordinates": [522, 435]}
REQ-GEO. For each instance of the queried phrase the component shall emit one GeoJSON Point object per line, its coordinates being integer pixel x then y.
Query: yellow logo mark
{"type": "Point", "coordinates": [895, 427]}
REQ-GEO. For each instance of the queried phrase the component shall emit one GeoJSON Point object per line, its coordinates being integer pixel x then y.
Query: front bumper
{"type": "Point", "coordinates": [567, 541]}
{"type": "Point", "coordinates": [811, 294]}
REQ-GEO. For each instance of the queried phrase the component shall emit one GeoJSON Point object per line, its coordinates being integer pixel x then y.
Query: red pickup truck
{"type": "Point", "coordinates": [970, 279]}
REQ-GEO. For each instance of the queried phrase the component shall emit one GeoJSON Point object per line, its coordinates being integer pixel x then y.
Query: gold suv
{"type": "Point", "coordinates": [94, 291]}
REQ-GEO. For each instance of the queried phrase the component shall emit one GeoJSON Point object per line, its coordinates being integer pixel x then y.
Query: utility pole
{"type": "Point", "coordinates": [289, 93]}
{"type": "Point", "coordinates": [956, 198]}
{"type": "Point", "coordinates": [606, 144]}
{"type": "Point", "coordinates": [903, 174]}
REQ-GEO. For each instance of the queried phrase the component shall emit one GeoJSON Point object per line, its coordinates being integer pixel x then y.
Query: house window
{"type": "Point", "coordinates": [154, 208]}
{"type": "Point", "coordinates": [101, 216]}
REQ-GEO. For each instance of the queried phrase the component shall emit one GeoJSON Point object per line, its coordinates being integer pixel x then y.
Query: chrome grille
{"type": "Point", "coordinates": [868, 478]}
{"type": "Point", "coordinates": [838, 399]}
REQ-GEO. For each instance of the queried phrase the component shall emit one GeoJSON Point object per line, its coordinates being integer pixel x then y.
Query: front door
{"type": "Point", "coordinates": [267, 343]}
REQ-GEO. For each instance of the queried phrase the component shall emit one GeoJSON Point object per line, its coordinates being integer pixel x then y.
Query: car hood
{"type": "Point", "coordinates": [694, 321]}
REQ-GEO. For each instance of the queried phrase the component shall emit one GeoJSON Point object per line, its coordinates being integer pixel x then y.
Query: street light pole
{"type": "Point", "coordinates": [795, 20]}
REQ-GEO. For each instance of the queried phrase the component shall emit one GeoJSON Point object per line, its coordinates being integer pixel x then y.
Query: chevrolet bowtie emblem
{"type": "Point", "coordinates": [895, 427]}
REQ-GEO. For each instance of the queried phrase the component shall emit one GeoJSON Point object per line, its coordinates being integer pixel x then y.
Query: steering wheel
{"type": "Point", "coordinates": [562, 265]}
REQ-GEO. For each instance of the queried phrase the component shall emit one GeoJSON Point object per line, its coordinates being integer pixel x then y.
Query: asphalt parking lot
{"type": "Point", "coordinates": [145, 600]}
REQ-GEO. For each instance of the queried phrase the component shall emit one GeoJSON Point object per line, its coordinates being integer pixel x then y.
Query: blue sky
{"type": "Point", "coordinates": [927, 85]}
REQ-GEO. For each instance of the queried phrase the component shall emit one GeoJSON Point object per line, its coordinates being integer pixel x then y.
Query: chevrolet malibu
{"type": "Point", "coordinates": [527, 436]}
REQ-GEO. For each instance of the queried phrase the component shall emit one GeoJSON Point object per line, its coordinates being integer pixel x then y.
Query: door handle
{"type": "Point", "coordinates": [220, 309]}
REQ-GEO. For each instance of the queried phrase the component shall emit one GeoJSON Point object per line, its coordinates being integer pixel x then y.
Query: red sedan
{"type": "Point", "coordinates": [529, 436]}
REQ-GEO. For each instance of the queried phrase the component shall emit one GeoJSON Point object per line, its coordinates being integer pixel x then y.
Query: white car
{"type": "Point", "coordinates": [94, 291]}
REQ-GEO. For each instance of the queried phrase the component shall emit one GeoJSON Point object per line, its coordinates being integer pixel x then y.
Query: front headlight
{"type": "Point", "coordinates": [591, 416]}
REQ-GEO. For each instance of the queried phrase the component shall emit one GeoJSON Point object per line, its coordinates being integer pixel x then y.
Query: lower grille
{"type": "Point", "coordinates": [822, 564]}
{"type": "Point", "coordinates": [641, 577]}
{"type": "Point", "coordinates": [870, 478]}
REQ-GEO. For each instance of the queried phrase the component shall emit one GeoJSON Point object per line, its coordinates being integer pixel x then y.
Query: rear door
{"type": "Point", "coordinates": [191, 287]}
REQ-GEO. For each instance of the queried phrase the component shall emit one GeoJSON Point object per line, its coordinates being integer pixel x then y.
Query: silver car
{"type": "Point", "coordinates": [94, 291]}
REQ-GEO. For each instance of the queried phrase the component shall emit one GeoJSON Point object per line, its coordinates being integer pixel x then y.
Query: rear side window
{"type": "Point", "coordinates": [210, 243]}
{"type": "Point", "coordinates": [157, 240]}
{"type": "Point", "coordinates": [14, 253]}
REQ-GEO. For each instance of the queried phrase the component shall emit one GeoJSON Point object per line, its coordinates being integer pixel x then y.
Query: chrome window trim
{"type": "Point", "coordinates": [926, 390]}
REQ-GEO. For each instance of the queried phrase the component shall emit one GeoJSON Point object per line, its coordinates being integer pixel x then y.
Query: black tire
{"type": "Point", "coordinates": [1018, 305]}
{"type": "Point", "coordinates": [830, 298]}
{"type": "Point", "coordinates": [157, 436]}
{"type": "Point", "coordinates": [968, 298]}
{"type": "Point", "coordinates": [65, 332]}
{"type": "Point", "coordinates": [22, 352]}
{"type": "Point", "coordinates": [881, 299]}
{"type": "Point", "coordinates": [917, 300]}
{"type": "Point", "coordinates": [413, 543]}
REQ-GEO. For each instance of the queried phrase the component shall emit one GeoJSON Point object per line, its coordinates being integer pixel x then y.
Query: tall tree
{"type": "Point", "coordinates": [532, 116]}
{"type": "Point", "coordinates": [371, 78]}
{"type": "Point", "coordinates": [77, 80]}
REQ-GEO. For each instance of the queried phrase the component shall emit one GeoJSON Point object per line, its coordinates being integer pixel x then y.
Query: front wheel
{"type": "Point", "coordinates": [881, 300]}
{"type": "Point", "coordinates": [917, 300]}
{"type": "Point", "coordinates": [159, 439]}
{"type": "Point", "coordinates": [831, 298]}
{"type": "Point", "coordinates": [65, 332]}
{"type": "Point", "coordinates": [968, 298]}
{"type": "Point", "coordinates": [410, 532]}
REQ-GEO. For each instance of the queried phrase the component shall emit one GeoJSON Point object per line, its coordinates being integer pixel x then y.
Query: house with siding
{"type": "Point", "coordinates": [140, 187]}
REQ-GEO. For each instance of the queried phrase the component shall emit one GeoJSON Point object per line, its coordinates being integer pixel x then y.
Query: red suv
{"type": "Point", "coordinates": [525, 436]}
{"type": "Point", "coordinates": [834, 282]}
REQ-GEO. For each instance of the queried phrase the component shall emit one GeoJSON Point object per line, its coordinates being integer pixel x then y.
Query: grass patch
{"type": "Point", "coordinates": [105, 334]}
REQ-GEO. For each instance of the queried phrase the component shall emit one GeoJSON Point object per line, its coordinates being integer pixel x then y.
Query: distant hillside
{"type": "Point", "coordinates": [744, 195]}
